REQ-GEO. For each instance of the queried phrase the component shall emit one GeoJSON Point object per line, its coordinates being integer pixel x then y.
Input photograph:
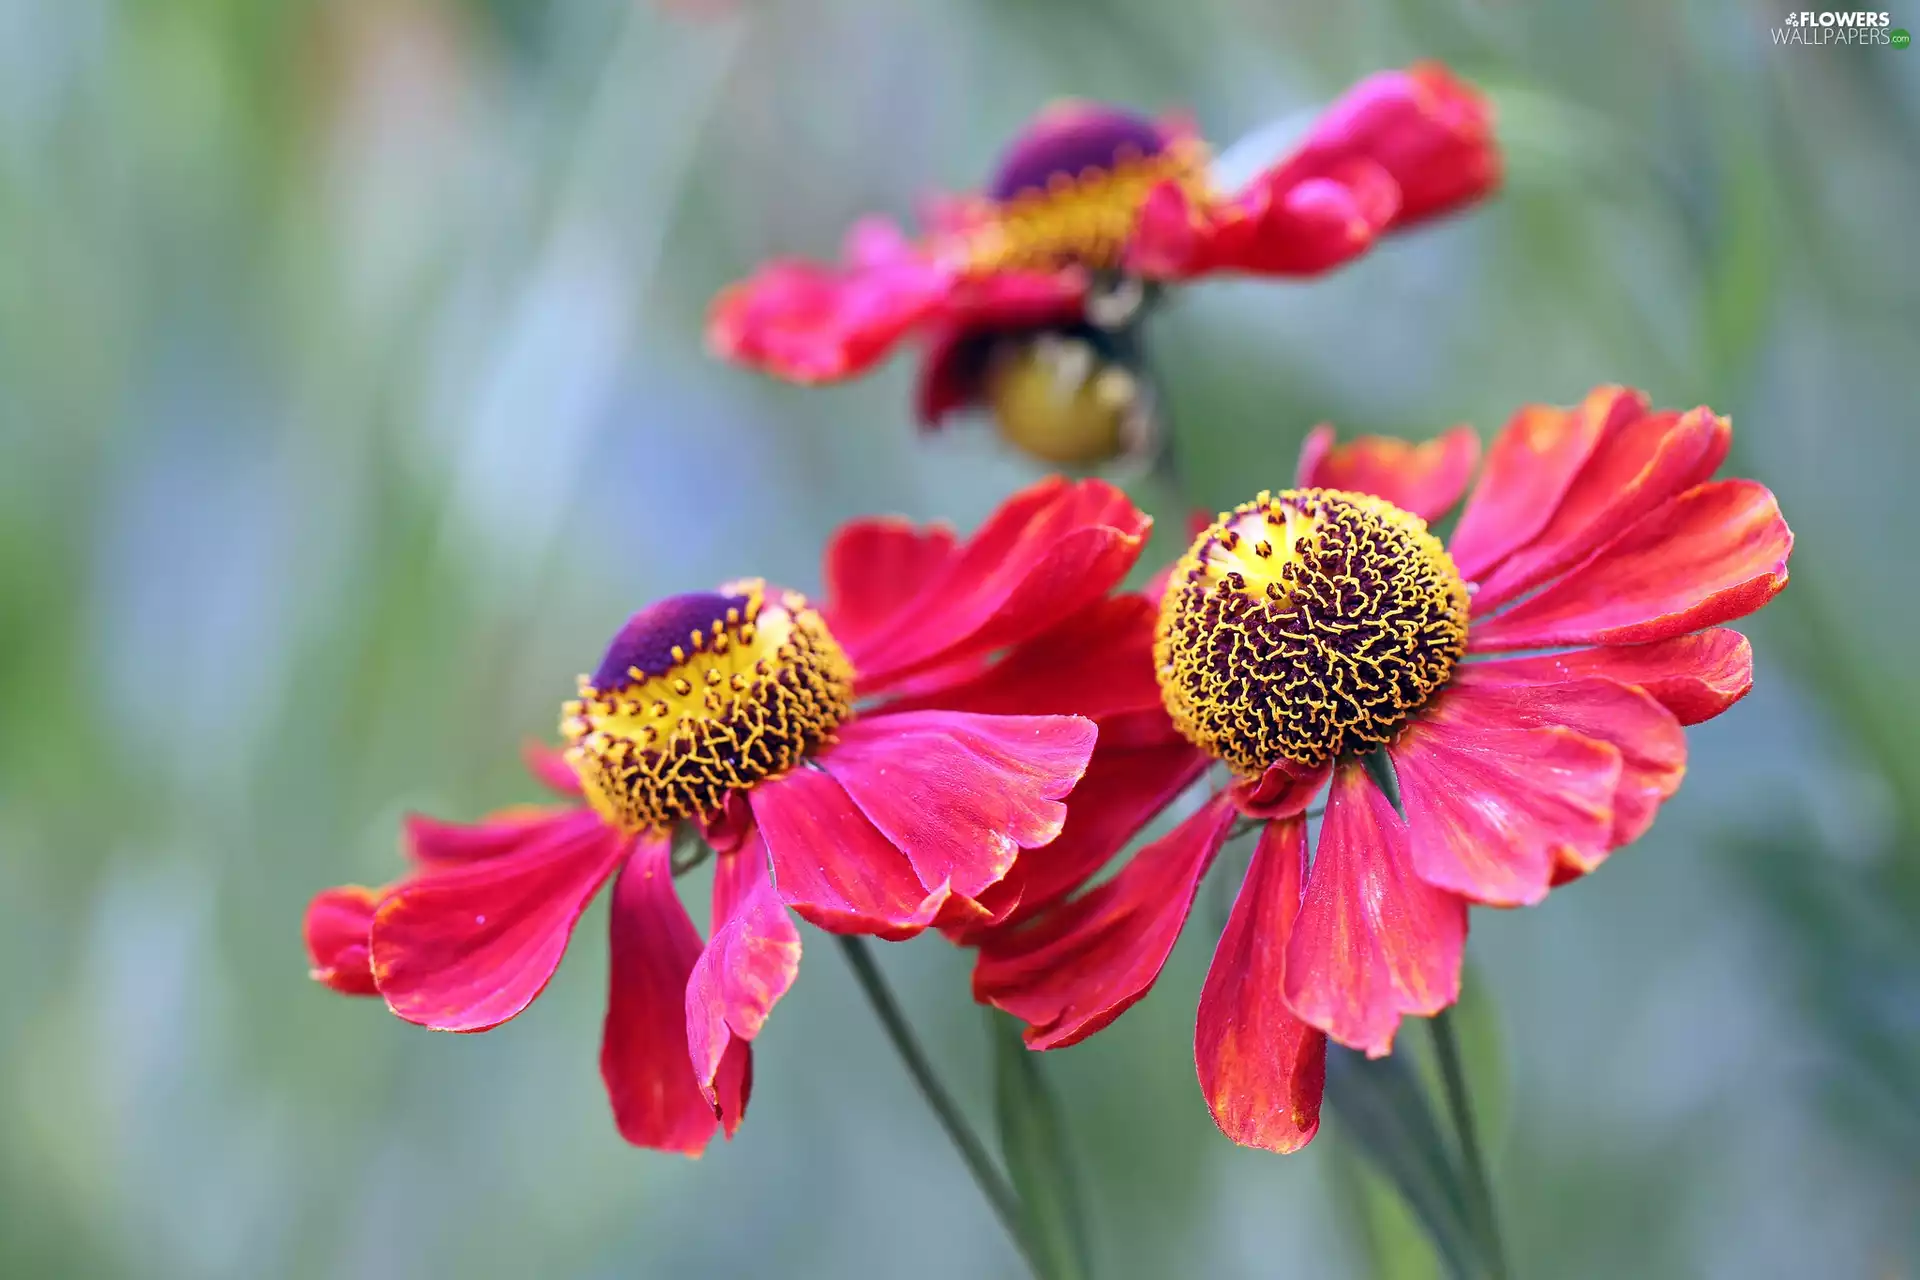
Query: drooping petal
{"type": "Point", "coordinates": [1493, 809]}
{"type": "Point", "coordinates": [657, 1101]}
{"type": "Point", "coordinates": [832, 866]}
{"type": "Point", "coordinates": [1430, 131]}
{"type": "Point", "coordinates": [1048, 552]}
{"type": "Point", "coordinates": [961, 794]}
{"type": "Point", "coordinates": [1398, 148]}
{"type": "Point", "coordinates": [1088, 960]}
{"type": "Point", "coordinates": [1097, 663]}
{"type": "Point", "coordinates": [1713, 554]}
{"type": "Point", "coordinates": [1632, 472]}
{"type": "Point", "coordinates": [1126, 785]}
{"type": "Point", "coordinates": [875, 566]}
{"type": "Point", "coordinates": [1373, 940]}
{"type": "Point", "coordinates": [1283, 791]}
{"type": "Point", "coordinates": [1284, 225]}
{"type": "Point", "coordinates": [728, 827]}
{"type": "Point", "coordinates": [810, 322]}
{"type": "Point", "coordinates": [1261, 1068]}
{"type": "Point", "coordinates": [1696, 677]}
{"type": "Point", "coordinates": [1652, 745]}
{"type": "Point", "coordinates": [1425, 478]}
{"type": "Point", "coordinates": [464, 948]}
{"type": "Point", "coordinates": [432, 842]}
{"type": "Point", "coordinates": [980, 315]}
{"type": "Point", "coordinates": [550, 767]}
{"type": "Point", "coordinates": [337, 925]}
{"type": "Point", "coordinates": [1532, 464]}
{"type": "Point", "coordinates": [747, 966]}
{"type": "Point", "coordinates": [952, 376]}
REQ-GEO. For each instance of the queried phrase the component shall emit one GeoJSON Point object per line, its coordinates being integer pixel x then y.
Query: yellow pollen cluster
{"type": "Point", "coordinates": [1082, 221]}
{"type": "Point", "coordinates": [1305, 624]}
{"type": "Point", "coordinates": [744, 699]}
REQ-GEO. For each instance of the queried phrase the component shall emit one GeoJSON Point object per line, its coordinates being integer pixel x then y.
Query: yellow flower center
{"type": "Point", "coordinates": [1056, 398]}
{"type": "Point", "coordinates": [1305, 624]}
{"type": "Point", "coordinates": [702, 695]}
{"type": "Point", "coordinates": [1084, 218]}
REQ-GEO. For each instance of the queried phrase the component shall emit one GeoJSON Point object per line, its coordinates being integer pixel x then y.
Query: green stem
{"type": "Point", "coordinates": [973, 1153]}
{"type": "Point", "coordinates": [1479, 1188]}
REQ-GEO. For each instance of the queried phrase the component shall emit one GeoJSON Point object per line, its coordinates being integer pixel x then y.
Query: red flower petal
{"type": "Point", "coordinates": [336, 927]}
{"type": "Point", "coordinates": [1086, 962]}
{"type": "Point", "coordinates": [1431, 132]}
{"type": "Point", "coordinates": [464, 948]}
{"type": "Point", "coordinates": [1282, 225]}
{"type": "Point", "coordinates": [1532, 464]}
{"type": "Point", "coordinates": [984, 310]}
{"type": "Point", "coordinates": [1283, 791]}
{"type": "Point", "coordinates": [1098, 664]}
{"type": "Point", "coordinates": [656, 1100]}
{"type": "Point", "coordinates": [1696, 677]}
{"type": "Point", "coordinates": [1425, 478]}
{"type": "Point", "coordinates": [748, 965]}
{"type": "Point", "coordinates": [551, 768]}
{"type": "Point", "coordinates": [1373, 941]}
{"type": "Point", "coordinates": [1261, 1069]}
{"type": "Point", "coordinates": [813, 323]}
{"type": "Point", "coordinates": [432, 842]}
{"type": "Point", "coordinates": [728, 827]}
{"type": "Point", "coordinates": [1124, 788]}
{"type": "Point", "coordinates": [873, 567]}
{"type": "Point", "coordinates": [952, 374]}
{"type": "Point", "coordinates": [1632, 471]}
{"type": "Point", "coordinates": [961, 794]}
{"type": "Point", "coordinates": [1715, 553]}
{"type": "Point", "coordinates": [832, 866]}
{"type": "Point", "coordinates": [1397, 148]}
{"type": "Point", "coordinates": [1652, 745]}
{"type": "Point", "coordinates": [1048, 552]}
{"type": "Point", "coordinates": [1493, 809]}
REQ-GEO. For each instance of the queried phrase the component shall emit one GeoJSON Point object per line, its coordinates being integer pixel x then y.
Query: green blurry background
{"type": "Point", "coordinates": [351, 392]}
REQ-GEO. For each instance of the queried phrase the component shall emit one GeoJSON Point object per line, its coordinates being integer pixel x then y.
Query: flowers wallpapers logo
{"type": "Point", "coordinates": [1829, 27]}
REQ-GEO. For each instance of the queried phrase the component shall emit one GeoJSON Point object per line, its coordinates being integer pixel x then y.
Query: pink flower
{"type": "Point", "coordinates": [1092, 208]}
{"type": "Point", "coordinates": [820, 755]}
{"type": "Point", "coordinates": [1529, 683]}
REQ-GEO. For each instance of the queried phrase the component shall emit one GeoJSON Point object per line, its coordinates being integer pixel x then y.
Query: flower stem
{"type": "Point", "coordinates": [1479, 1188]}
{"type": "Point", "coordinates": [973, 1153]}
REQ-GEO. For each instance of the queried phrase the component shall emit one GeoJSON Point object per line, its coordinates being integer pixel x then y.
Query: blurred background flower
{"type": "Point", "coordinates": [351, 386]}
{"type": "Point", "coordinates": [1031, 294]}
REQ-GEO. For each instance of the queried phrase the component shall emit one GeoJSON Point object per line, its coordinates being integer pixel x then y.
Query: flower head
{"type": "Point", "coordinates": [1521, 690]}
{"type": "Point", "coordinates": [1028, 293]}
{"type": "Point", "coordinates": [702, 696]}
{"type": "Point", "coordinates": [830, 756]}
{"type": "Point", "coordinates": [1305, 625]}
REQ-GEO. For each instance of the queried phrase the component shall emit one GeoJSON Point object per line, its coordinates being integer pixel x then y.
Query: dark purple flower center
{"type": "Point", "coordinates": [702, 697]}
{"type": "Point", "coordinates": [1070, 140]}
{"type": "Point", "coordinates": [647, 640]}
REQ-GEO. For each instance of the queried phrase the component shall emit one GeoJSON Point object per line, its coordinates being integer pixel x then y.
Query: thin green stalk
{"type": "Point", "coordinates": [973, 1153]}
{"type": "Point", "coordinates": [1479, 1188]}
